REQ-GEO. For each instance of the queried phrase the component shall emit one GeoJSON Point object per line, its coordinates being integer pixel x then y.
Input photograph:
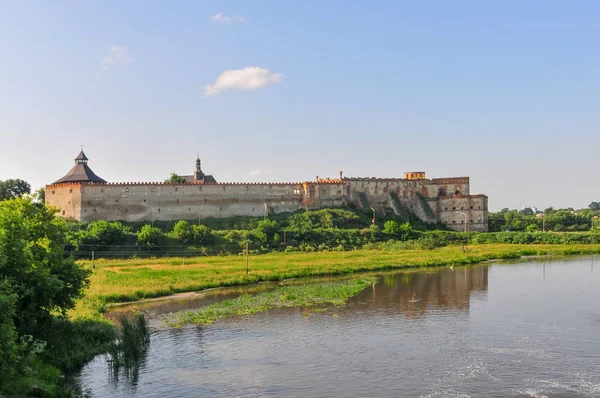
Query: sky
{"type": "Point", "coordinates": [507, 93]}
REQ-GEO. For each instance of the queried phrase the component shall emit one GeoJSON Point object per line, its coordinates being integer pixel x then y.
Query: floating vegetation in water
{"type": "Point", "coordinates": [336, 293]}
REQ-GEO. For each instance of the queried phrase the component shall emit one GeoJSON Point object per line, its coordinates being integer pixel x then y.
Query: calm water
{"type": "Point", "coordinates": [527, 329]}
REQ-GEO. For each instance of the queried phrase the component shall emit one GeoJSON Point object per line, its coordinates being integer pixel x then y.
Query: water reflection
{"type": "Point", "coordinates": [488, 330]}
{"type": "Point", "coordinates": [416, 293]}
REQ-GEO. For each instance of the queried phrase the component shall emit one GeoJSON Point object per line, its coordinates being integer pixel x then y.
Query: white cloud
{"type": "Point", "coordinates": [220, 17]}
{"type": "Point", "coordinates": [117, 55]}
{"type": "Point", "coordinates": [249, 78]}
{"type": "Point", "coordinates": [258, 172]}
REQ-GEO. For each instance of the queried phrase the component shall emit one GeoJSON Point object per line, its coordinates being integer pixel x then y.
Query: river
{"type": "Point", "coordinates": [506, 329]}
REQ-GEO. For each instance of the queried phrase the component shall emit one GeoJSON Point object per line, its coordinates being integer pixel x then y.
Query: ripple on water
{"type": "Point", "coordinates": [522, 333]}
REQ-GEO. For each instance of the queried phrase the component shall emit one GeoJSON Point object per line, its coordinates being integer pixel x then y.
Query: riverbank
{"type": "Point", "coordinates": [115, 281]}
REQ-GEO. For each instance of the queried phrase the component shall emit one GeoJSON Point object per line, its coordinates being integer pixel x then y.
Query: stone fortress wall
{"type": "Point", "coordinates": [445, 200]}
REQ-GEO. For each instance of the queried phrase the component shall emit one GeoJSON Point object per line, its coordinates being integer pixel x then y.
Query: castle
{"type": "Point", "coordinates": [84, 196]}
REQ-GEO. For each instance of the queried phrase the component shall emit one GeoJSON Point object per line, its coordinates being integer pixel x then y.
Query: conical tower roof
{"type": "Point", "coordinates": [81, 172]}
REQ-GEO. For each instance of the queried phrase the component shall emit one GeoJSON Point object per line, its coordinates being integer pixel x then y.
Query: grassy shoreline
{"type": "Point", "coordinates": [117, 281]}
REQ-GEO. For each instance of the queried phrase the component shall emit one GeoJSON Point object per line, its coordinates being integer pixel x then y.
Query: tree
{"type": "Point", "coordinates": [183, 232]}
{"type": "Point", "coordinates": [176, 179]}
{"type": "Point", "coordinates": [264, 231]}
{"type": "Point", "coordinates": [10, 352]}
{"type": "Point", "coordinates": [149, 236]}
{"type": "Point", "coordinates": [398, 231]}
{"type": "Point", "coordinates": [595, 206]}
{"type": "Point", "coordinates": [33, 263]}
{"type": "Point", "coordinates": [39, 197]}
{"type": "Point", "coordinates": [10, 189]}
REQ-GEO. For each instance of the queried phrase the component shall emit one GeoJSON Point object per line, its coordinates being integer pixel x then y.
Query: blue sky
{"type": "Point", "coordinates": [506, 93]}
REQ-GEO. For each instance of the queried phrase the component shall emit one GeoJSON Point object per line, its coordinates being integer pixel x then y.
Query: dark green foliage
{"type": "Point", "coordinates": [11, 189]}
{"type": "Point", "coordinates": [265, 231]}
{"type": "Point", "coordinates": [38, 284]}
{"type": "Point", "coordinates": [595, 206]}
{"type": "Point", "coordinates": [150, 237]}
{"type": "Point", "coordinates": [102, 235]}
{"type": "Point", "coordinates": [176, 179]}
{"type": "Point", "coordinates": [402, 210]}
{"type": "Point", "coordinates": [32, 260]}
{"type": "Point", "coordinates": [324, 218]}
{"type": "Point", "coordinates": [425, 205]}
{"type": "Point", "coordinates": [563, 220]}
{"type": "Point", "coordinates": [10, 349]}
{"type": "Point", "coordinates": [70, 344]}
{"type": "Point", "coordinates": [397, 231]}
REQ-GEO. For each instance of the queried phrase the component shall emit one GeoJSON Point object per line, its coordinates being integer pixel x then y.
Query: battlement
{"type": "Point", "coordinates": [84, 196]}
{"type": "Point", "coordinates": [162, 183]}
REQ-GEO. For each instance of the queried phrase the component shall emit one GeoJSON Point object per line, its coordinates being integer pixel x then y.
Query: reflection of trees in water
{"type": "Point", "coordinates": [416, 292]}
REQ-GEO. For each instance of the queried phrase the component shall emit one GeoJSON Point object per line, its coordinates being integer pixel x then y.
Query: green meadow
{"type": "Point", "coordinates": [115, 281]}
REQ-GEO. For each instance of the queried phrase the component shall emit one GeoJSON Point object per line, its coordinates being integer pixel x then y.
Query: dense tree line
{"type": "Point", "coordinates": [558, 220]}
{"type": "Point", "coordinates": [38, 284]}
{"type": "Point", "coordinates": [326, 229]}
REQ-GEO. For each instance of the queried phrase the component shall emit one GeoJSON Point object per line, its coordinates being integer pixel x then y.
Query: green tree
{"type": "Point", "coordinates": [183, 232]}
{"type": "Point", "coordinates": [33, 262]}
{"type": "Point", "coordinates": [264, 231]}
{"type": "Point", "coordinates": [176, 179]}
{"type": "Point", "coordinates": [395, 230]}
{"type": "Point", "coordinates": [39, 197]}
{"type": "Point", "coordinates": [595, 206]}
{"type": "Point", "coordinates": [10, 351]}
{"type": "Point", "coordinates": [202, 234]}
{"type": "Point", "coordinates": [149, 236]}
{"type": "Point", "coordinates": [10, 189]}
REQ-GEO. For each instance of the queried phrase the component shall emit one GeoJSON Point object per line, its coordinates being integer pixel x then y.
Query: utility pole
{"type": "Point", "coordinates": [466, 232]}
{"type": "Point", "coordinates": [153, 217]}
{"type": "Point", "coordinates": [373, 220]}
{"type": "Point", "coordinates": [266, 211]}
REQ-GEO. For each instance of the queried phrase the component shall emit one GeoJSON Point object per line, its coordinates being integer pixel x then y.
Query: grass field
{"type": "Point", "coordinates": [135, 279]}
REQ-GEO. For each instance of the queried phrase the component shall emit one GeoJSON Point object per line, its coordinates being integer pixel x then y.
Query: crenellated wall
{"type": "Point", "coordinates": [433, 200]}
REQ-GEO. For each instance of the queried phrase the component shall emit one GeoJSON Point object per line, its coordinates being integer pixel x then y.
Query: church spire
{"type": "Point", "coordinates": [198, 174]}
{"type": "Point", "coordinates": [81, 158]}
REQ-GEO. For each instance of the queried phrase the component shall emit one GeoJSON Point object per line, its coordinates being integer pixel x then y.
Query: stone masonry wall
{"type": "Point", "coordinates": [445, 197]}
{"type": "Point", "coordinates": [65, 197]}
{"type": "Point", "coordinates": [452, 212]}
